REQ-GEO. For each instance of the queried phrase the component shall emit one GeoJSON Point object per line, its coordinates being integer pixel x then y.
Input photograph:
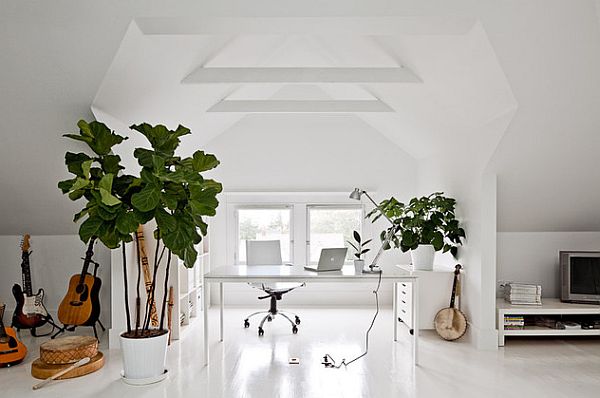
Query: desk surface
{"type": "Point", "coordinates": [297, 273]}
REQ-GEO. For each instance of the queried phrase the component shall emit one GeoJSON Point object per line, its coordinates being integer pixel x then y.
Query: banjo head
{"type": "Point", "coordinates": [450, 324]}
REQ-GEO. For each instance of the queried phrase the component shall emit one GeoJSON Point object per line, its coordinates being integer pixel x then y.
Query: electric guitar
{"type": "Point", "coordinates": [30, 312]}
{"type": "Point", "coordinates": [81, 304]}
{"type": "Point", "coordinates": [451, 323]}
{"type": "Point", "coordinates": [12, 351]}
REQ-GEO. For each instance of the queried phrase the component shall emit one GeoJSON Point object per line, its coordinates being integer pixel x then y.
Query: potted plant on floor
{"type": "Point", "coordinates": [423, 226]}
{"type": "Point", "coordinates": [170, 191]}
{"type": "Point", "coordinates": [359, 246]}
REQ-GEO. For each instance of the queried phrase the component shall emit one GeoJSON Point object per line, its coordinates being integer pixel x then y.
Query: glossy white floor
{"type": "Point", "coordinates": [248, 366]}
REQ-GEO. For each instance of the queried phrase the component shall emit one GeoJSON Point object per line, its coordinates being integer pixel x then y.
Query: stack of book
{"type": "Point", "coordinates": [514, 322]}
{"type": "Point", "coordinates": [523, 293]}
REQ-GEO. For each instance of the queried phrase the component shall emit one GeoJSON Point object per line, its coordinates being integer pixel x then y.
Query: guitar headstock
{"type": "Point", "coordinates": [25, 243]}
{"type": "Point", "coordinates": [457, 269]}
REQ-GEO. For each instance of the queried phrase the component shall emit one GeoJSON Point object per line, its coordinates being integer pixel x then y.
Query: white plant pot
{"type": "Point", "coordinates": [422, 257]}
{"type": "Point", "coordinates": [359, 265]}
{"type": "Point", "coordinates": [144, 358]}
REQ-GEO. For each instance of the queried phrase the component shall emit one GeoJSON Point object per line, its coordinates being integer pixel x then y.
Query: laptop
{"type": "Point", "coordinates": [330, 260]}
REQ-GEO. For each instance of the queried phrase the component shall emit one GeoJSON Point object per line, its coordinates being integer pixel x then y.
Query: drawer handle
{"type": "Point", "coordinates": [404, 284]}
{"type": "Point", "coordinates": [403, 292]}
{"type": "Point", "coordinates": [403, 301]}
{"type": "Point", "coordinates": [403, 311]}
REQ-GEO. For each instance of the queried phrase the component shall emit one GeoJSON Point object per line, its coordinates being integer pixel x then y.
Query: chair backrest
{"type": "Point", "coordinates": [263, 252]}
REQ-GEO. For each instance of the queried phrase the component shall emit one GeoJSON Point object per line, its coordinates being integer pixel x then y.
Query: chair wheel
{"type": "Point", "coordinates": [297, 320]}
{"type": "Point", "coordinates": [269, 318]}
{"type": "Point", "coordinates": [294, 329]}
{"type": "Point", "coordinates": [246, 323]}
{"type": "Point", "coordinates": [261, 332]}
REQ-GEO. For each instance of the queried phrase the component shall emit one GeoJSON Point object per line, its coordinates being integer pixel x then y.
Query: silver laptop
{"type": "Point", "coordinates": [330, 260]}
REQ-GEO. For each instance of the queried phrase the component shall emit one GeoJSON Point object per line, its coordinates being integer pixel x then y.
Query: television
{"type": "Point", "coordinates": [580, 276]}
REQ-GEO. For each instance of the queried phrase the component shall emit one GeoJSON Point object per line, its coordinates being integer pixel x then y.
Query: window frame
{"type": "Point", "coordinates": [286, 206]}
{"type": "Point", "coordinates": [331, 206]}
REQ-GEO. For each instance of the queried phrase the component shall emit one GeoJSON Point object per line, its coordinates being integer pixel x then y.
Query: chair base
{"type": "Point", "coordinates": [270, 314]}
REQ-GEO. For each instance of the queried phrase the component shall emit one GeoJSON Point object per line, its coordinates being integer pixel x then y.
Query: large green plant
{"type": "Point", "coordinates": [170, 190]}
{"type": "Point", "coordinates": [428, 220]}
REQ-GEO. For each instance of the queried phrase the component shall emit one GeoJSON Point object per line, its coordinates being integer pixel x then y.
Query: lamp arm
{"type": "Point", "coordinates": [388, 236]}
{"type": "Point", "coordinates": [377, 207]}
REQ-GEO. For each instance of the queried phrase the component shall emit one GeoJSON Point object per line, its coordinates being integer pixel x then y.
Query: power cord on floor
{"type": "Point", "coordinates": [328, 360]}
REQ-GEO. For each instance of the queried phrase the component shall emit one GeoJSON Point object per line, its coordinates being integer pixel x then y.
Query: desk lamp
{"type": "Point", "coordinates": [374, 268]}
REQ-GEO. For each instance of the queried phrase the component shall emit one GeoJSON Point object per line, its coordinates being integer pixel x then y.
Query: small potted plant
{"type": "Point", "coordinates": [424, 226]}
{"type": "Point", "coordinates": [170, 191]}
{"type": "Point", "coordinates": [359, 247]}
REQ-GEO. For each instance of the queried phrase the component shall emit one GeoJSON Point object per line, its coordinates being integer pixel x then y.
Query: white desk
{"type": "Point", "coordinates": [297, 273]}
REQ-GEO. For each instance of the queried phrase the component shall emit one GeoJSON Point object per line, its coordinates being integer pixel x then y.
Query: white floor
{"type": "Point", "coordinates": [249, 366]}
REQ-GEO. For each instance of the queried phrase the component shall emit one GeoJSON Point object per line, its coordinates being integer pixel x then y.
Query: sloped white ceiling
{"type": "Point", "coordinates": [535, 59]}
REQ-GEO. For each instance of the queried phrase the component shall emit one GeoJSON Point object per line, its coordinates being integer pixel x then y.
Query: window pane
{"type": "Point", "coordinates": [264, 224]}
{"type": "Point", "coordinates": [332, 227]}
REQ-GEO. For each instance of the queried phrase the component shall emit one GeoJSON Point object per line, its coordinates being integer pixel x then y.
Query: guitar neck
{"type": "Point", "coordinates": [26, 273]}
{"type": "Point", "coordinates": [2, 329]}
{"type": "Point", "coordinates": [454, 284]}
{"type": "Point", "coordinates": [87, 260]}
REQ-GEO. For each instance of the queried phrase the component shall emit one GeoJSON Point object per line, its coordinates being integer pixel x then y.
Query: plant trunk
{"type": "Point", "coordinates": [138, 299]}
{"type": "Point", "coordinates": [164, 302]}
{"type": "Point", "coordinates": [153, 287]}
{"type": "Point", "coordinates": [127, 314]}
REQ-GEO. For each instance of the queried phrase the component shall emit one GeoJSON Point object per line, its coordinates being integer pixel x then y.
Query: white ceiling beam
{"type": "Point", "coordinates": [300, 106]}
{"type": "Point", "coordinates": [347, 26]}
{"type": "Point", "coordinates": [301, 75]}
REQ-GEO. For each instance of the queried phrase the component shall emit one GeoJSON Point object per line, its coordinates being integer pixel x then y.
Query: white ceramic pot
{"type": "Point", "coordinates": [144, 358]}
{"type": "Point", "coordinates": [359, 265]}
{"type": "Point", "coordinates": [422, 257]}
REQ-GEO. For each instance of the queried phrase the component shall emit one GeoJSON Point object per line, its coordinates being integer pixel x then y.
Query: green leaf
{"type": "Point", "coordinates": [89, 228]}
{"type": "Point", "coordinates": [166, 222]}
{"type": "Point", "coordinates": [144, 157]}
{"type": "Point", "coordinates": [189, 256]}
{"type": "Point", "coordinates": [105, 188]}
{"type": "Point", "coordinates": [98, 136]}
{"type": "Point", "coordinates": [204, 161]}
{"type": "Point", "coordinates": [147, 199]}
{"type": "Point", "coordinates": [110, 164]}
{"type": "Point", "coordinates": [214, 185]}
{"type": "Point", "coordinates": [65, 185]}
{"type": "Point", "coordinates": [126, 223]}
{"type": "Point", "coordinates": [106, 214]}
{"type": "Point", "coordinates": [176, 240]}
{"type": "Point", "coordinates": [438, 241]}
{"type": "Point", "coordinates": [74, 162]}
{"type": "Point", "coordinates": [356, 236]}
{"type": "Point", "coordinates": [79, 184]}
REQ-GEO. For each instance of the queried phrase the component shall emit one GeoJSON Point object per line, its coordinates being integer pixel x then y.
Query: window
{"type": "Point", "coordinates": [257, 223]}
{"type": "Point", "coordinates": [332, 226]}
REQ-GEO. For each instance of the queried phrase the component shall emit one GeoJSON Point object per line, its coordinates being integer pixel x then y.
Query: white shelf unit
{"type": "Point", "coordinates": [187, 289]}
{"type": "Point", "coordinates": [550, 306]}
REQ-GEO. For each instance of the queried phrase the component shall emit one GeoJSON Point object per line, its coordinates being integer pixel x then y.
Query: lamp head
{"type": "Point", "coordinates": [356, 194]}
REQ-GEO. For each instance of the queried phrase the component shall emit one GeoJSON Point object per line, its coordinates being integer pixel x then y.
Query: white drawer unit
{"type": "Point", "coordinates": [435, 288]}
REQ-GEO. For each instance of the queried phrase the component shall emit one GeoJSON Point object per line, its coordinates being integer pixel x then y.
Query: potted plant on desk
{"type": "Point", "coordinates": [423, 226]}
{"type": "Point", "coordinates": [359, 246]}
{"type": "Point", "coordinates": [170, 191]}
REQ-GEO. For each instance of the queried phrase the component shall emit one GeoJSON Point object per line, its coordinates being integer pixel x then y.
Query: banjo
{"type": "Point", "coordinates": [451, 323]}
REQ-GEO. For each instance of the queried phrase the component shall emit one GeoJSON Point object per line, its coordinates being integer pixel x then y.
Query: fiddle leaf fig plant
{"type": "Point", "coordinates": [173, 190]}
{"type": "Point", "coordinates": [170, 190]}
{"type": "Point", "coordinates": [428, 220]}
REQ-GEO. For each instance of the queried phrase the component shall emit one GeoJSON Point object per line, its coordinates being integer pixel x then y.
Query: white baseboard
{"type": "Point", "coordinates": [484, 339]}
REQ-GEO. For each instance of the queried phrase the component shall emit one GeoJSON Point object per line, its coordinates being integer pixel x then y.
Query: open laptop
{"type": "Point", "coordinates": [330, 260]}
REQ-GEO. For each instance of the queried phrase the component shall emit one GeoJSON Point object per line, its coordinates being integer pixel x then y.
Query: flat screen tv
{"type": "Point", "coordinates": [580, 276]}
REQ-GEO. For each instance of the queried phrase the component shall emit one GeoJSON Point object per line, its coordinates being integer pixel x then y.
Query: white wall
{"type": "Point", "coordinates": [54, 259]}
{"type": "Point", "coordinates": [309, 153]}
{"type": "Point", "coordinates": [533, 256]}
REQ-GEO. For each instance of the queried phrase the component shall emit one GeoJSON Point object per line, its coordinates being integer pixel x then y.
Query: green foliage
{"type": "Point", "coordinates": [359, 245]}
{"type": "Point", "coordinates": [170, 189]}
{"type": "Point", "coordinates": [174, 191]}
{"type": "Point", "coordinates": [107, 215]}
{"type": "Point", "coordinates": [428, 220]}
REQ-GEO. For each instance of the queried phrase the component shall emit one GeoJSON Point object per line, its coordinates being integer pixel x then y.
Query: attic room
{"type": "Point", "coordinates": [275, 198]}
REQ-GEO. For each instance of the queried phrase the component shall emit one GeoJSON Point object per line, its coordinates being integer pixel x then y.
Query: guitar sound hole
{"type": "Point", "coordinates": [79, 289]}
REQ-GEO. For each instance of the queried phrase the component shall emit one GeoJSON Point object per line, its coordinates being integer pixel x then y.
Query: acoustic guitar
{"type": "Point", "coordinates": [30, 312]}
{"type": "Point", "coordinates": [81, 305]}
{"type": "Point", "coordinates": [451, 323]}
{"type": "Point", "coordinates": [12, 351]}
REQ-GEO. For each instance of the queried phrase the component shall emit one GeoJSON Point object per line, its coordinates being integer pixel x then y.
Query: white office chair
{"type": "Point", "coordinates": [268, 252]}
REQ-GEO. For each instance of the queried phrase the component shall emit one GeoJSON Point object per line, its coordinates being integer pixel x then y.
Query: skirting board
{"type": "Point", "coordinates": [484, 339]}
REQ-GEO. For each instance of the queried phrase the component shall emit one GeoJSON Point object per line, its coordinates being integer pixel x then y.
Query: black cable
{"type": "Point", "coordinates": [327, 357]}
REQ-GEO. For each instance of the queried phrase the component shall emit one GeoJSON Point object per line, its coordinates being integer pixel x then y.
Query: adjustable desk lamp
{"type": "Point", "coordinates": [374, 268]}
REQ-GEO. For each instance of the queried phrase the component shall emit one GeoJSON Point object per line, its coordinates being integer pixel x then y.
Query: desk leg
{"type": "Point", "coordinates": [205, 301]}
{"type": "Point", "coordinates": [222, 300]}
{"type": "Point", "coordinates": [395, 310]}
{"type": "Point", "coordinates": [415, 320]}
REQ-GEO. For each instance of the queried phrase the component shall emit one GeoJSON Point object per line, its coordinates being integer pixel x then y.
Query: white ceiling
{"type": "Point", "coordinates": [532, 64]}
